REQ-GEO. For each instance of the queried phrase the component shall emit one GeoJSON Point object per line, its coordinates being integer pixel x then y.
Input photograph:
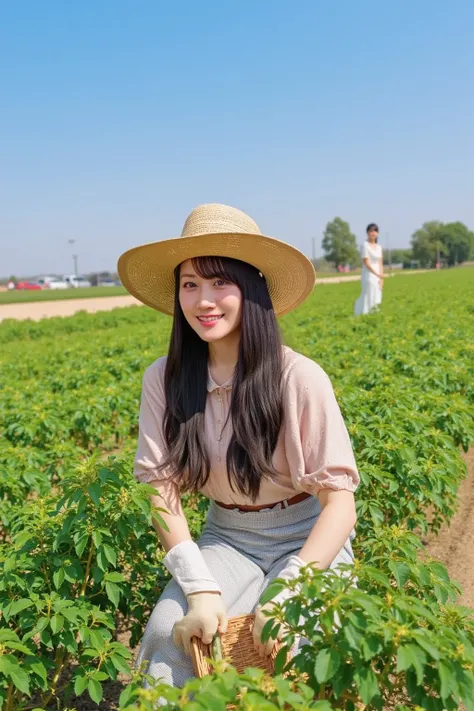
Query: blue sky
{"type": "Point", "coordinates": [118, 117]}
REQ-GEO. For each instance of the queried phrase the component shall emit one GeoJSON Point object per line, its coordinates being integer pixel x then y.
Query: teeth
{"type": "Point", "coordinates": [208, 318]}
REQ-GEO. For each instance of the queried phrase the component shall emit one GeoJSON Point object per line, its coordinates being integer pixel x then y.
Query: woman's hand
{"type": "Point", "coordinates": [290, 572]}
{"type": "Point", "coordinates": [261, 619]}
{"type": "Point", "coordinates": [381, 282]}
{"type": "Point", "coordinates": [206, 615]}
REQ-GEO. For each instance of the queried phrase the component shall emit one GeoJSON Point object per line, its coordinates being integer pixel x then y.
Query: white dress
{"type": "Point", "coordinates": [371, 295]}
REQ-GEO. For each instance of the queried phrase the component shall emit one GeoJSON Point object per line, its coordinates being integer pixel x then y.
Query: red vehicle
{"type": "Point", "coordinates": [27, 285]}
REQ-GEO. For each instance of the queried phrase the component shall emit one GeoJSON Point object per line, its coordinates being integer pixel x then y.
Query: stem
{"type": "Point", "coordinates": [322, 692]}
{"type": "Point", "coordinates": [88, 570]}
{"type": "Point", "coordinates": [9, 698]}
{"type": "Point", "coordinates": [61, 659]}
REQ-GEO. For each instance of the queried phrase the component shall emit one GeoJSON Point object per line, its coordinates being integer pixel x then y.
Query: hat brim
{"type": "Point", "coordinates": [147, 271]}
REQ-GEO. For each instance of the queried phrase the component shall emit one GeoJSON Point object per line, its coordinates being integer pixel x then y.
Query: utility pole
{"type": "Point", "coordinates": [389, 254]}
{"type": "Point", "coordinates": [74, 256]}
{"type": "Point", "coordinates": [314, 248]}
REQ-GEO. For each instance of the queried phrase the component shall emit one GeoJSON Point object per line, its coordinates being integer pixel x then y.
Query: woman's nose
{"type": "Point", "coordinates": [206, 299]}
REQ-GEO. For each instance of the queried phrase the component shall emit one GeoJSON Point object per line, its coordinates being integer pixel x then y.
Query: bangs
{"type": "Point", "coordinates": [226, 268]}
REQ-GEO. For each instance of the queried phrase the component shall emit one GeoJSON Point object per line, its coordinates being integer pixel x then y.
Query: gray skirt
{"type": "Point", "coordinates": [245, 551]}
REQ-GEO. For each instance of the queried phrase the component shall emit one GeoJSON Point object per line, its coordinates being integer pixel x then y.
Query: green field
{"type": "Point", "coordinates": [20, 296]}
{"type": "Point", "coordinates": [79, 558]}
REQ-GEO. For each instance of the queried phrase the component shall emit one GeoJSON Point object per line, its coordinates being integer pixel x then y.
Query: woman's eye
{"type": "Point", "coordinates": [188, 284]}
{"type": "Point", "coordinates": [221, 282]}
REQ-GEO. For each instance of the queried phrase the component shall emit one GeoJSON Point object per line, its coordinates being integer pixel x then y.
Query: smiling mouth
{"type": "Point", "coordinates": [209, 319]}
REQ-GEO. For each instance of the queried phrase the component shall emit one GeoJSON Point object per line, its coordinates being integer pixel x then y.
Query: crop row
{"type": "Point", "coordinates": [80, 562]}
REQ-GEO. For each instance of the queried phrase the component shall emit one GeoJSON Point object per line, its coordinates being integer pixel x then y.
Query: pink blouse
{"type": "Point", "coordinates": [313, 451]}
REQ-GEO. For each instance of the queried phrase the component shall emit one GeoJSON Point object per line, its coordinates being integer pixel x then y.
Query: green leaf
{"type": "Point", "coordinates": [97, 639]}
{"type": "Point", "coordinates": [110, 554]}
{"type": "Point", "coordinates": [421, 637]}
{"type": "Point", "coordinates": [94, 490]}
{"type": "Point", "coordinates": [21, 681]}
{"type": "Point", "coordinates": [367, 684]}
{"type": "Point", "coordinates": [272, 590]}
{"type": "Point", "coordinates": [80, 685]}
{"type": "Point", "coordinates": [120, 664]}
{"type": "Point", "coordinates": [81, 544]}
{"type": "Point", "coordinates": [70, 614]}
{"type": "Point", "coordinates": [410, 655]}
{"type": "Point", "coordinates": [97, 538]}
{"type": "Point", "coordinates": [19, 606]}
{"type": "Point", "coordinates": [57, 622]}
{"type": "Point", "coordinates": [352, 635]}
{"type": "Point", "coordinates": [39, 669]}
{"type": "Point", "coordinates": [113, 593]}
{"type": "Point", "coordinates": [58, 578]}
{"type": "Point", "coordinates": [281, 660]}
{"type": "Point", "coordinates": [114, 577]}
{"type": "Point", "coordinates": [42, 623]}
{"type": "Point", "coordinates": [7, 635]}
{"type": "Point", "coordinates": [23, 538]}
{"type": "Point", "coordinates": [327, 664]}
{"type": "Point", "coordinates": [370, 646]}
{"type": "Point", "coordinates": [447, 679]}
{"type": "Point", "coordinates": [95, 690]}
{"type": "Point", "coordinates": [159, 520]}
{"type": "Point", "coordinates": [127, 694]}
{"type": "Point", "coordinates": [19, 647]}
{"type": "Point", "coordinates": [401, 572]}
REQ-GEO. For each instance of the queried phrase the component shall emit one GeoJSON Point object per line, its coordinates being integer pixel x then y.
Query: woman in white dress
{"type": "Point", "coordinates": [372, 273]}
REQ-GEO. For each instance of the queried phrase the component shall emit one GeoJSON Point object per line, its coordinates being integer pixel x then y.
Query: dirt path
{"type": "Point", "coordinates": [454, 546]}
{"type": "Point", "coordinates": [36, 310]}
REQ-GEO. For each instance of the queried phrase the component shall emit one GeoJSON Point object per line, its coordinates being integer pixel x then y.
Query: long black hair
{"type": "Point", "coordinates": [256, 401]}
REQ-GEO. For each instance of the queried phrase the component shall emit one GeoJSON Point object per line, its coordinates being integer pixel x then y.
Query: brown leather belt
{"type": "Point", "coordinates": [279, 504]}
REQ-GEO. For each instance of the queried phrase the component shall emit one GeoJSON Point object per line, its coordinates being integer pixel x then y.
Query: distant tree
{"type": "Point", "coordinates": [339, 243]}
{"type": "Point", "coordinates": [452, 241]}
{"type": "Point", "coordinates": [458, 242]}
{"type": "Point", "coordinates": [426, 243]}
{"type": "Point", "coordinates": [322, 265]}
{"type": "Point", "coordinates": [397, 256]}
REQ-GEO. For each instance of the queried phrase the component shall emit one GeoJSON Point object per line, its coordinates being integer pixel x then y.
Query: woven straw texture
{"type": "Point", "coordinates": [237, 645]}
{"type": "Point", "coordinates": [147, 271]}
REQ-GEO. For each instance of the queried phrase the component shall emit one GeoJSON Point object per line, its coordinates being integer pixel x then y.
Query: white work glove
{"type": "Point", "coordinates": [206, 615]}
{"type": "Point", "coordinates": [206, 612]}
{"type": "Point", "coordinates": [186, 564]}
{"type": "Point", "coordinates": [290, 572]}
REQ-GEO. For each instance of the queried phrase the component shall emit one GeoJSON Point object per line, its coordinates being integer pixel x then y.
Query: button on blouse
{"type": "Point", "coordinates": [313, 451]}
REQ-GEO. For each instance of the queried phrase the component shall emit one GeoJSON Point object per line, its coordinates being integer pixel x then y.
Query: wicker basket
{"type": "Point", "coordinates": [237, 645]}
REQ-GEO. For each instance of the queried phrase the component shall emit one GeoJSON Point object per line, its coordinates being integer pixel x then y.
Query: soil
{"type": "Point", "coordinates": [454, 545]}
{"type": "Point", "coordinates": [37, 310]}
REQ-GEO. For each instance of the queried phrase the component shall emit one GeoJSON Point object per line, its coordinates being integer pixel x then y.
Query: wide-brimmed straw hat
{"type": "Point", "coordinates": [147, 271]}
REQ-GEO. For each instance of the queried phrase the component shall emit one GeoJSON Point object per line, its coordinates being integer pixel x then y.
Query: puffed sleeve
{"type": "Point", "coordinates": [364, 250]}
{"type": "Point", "coordinates": [317, 444]}
{"type": "Point", "coordinates": [151, 448]}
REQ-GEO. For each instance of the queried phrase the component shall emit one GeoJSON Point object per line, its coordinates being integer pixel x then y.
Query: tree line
{"type": "Point", "coordinates": [435, 242]}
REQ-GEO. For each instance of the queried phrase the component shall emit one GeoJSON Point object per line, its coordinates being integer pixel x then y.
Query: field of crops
{"type": "Point", "coordinates": [79, 563]}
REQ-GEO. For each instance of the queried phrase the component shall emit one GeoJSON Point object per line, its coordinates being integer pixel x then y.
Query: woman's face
{"type": "Point", "coordinates": [212, 307]}
{"type": "Point", "coordinates": [372, 235]}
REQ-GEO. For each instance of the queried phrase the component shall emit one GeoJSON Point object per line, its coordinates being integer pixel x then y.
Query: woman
{"type": "Point", "coordinates": [372, 273]}
{"type": "Point", "coordinates": [232, 413]}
